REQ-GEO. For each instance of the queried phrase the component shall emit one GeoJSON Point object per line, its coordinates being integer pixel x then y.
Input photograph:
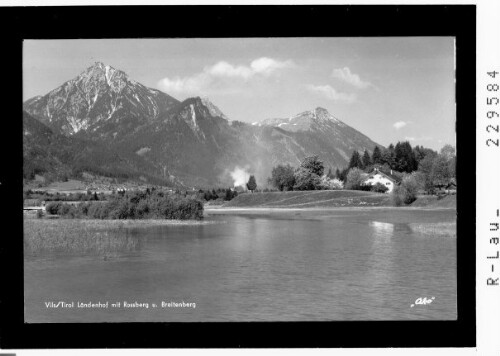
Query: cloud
{"type": "Point", "coordinates": [266, 65]}
{"type": "Point", "coordinates": [215, 77]}
{"type": "Point", "coordinates": [422, 138]}
{"type": "Point", "coordinates": [330, 93]}
{"type": "Point", "coordinates": [225, 69]}
{"type": "Point", "coordinates": [188, 85]}
{"type": "Point", "coordinates": [353, 79]}
{"type": "Point", "coordinates": [399, 125]}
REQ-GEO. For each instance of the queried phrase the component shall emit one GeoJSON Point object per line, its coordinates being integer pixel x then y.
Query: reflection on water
{"type": "Point", "coordinates": [382, 229]}
{"type": "Point", "coordinates": [337, 265]}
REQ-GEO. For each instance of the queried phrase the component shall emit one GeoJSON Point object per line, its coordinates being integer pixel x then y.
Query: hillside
{"type": "Point", "coordinates": [309, 199]}
{"type": "Point", "coordinates": [47, 152]}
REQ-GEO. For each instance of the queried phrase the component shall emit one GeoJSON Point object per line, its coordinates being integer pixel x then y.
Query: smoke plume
{"type": "Point", "coordinates": [240, 176]}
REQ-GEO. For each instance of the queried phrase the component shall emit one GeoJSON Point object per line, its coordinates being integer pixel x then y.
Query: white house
{"type": "Point", "coordinates": [380, 177]}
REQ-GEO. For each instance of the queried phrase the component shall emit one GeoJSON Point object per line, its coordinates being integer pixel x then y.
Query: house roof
{"type": "Point", "coordinates": [391, 177]}
{"type": "Point", "coordinates": [452, 183]}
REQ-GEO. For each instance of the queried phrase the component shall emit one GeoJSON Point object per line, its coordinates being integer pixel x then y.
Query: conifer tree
{"type": "Point", "coordinates": [376, 155]}
{"type": "Point", "coordinates": [355, 161]}
{"type": "Point", "coordinates": [252, 184]}
{"type": "Point", "coordinates": [366, 159]}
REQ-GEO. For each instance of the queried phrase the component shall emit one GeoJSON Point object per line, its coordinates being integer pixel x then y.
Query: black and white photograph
{"type": "Point", "coordinates": [269, 179]}
{"type": "Point", "coordinates": [225, 177]}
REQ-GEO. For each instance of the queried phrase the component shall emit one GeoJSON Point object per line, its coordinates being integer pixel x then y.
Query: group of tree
{"type": "Point", "coordinates": [46, 196]}
{"type": "Point", "coordinates": [133, 205]}
{"type": "Point", "coordinates": [430, 168]}
{"type": "Point", "coordinates": [401, 158]}
{"type": "Point", "coordinates": [437, 170]}
{"type": "Point", "coordinates": [225, 194]}
{"type": "Point", "coordinates": [310, 175]}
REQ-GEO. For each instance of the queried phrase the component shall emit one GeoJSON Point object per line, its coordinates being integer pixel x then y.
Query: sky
{"type": "Point", "coordinates": [389, 88]}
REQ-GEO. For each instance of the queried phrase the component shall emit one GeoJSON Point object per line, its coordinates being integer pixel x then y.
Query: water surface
{"type": "Point", "coordinates": [353, 264]}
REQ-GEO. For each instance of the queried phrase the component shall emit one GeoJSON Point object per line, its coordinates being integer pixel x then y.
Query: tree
{"type": "Point", "coordinates": [342, 175]}
{"type": "Point", "coordinates": [355, 161]}
{"type": "Point", "coordinates": [448, 151]}
{"type": "Point", "coordinates": [330, 173]}
{"type": "Point", "coordinates": [306, 180]}
{"type": "Point", "coordinates": [440, 174]}
{"type": "Point", "coordinates": [404, 157]}
{"type": "Point", "coordinates": [252, 184]}
{"type": "Point", "coordinates": [421, 152]}
{"type": "Point", "coordinates": [376, 156]}
{"type": "Point", "coordinates": [452, 164]}
{"type": "Point", "coordinates": [389, 157]}
{"type": "Point", "coordinates": [406, 191]}
{"type": "Point", "coordinates": [331, 183]}
{"type": "Point", "coordinates": [282, 177]}
{"type": "Point", "coordinates": [379, 188]}
{"type": "Point", "coordinates": [367, 161]}
{"type": "Point", "coordinates": [354, 179]}
{"type": "Point", "coordinates": [425, 168]}
{"type": "Point", "coordinates": [313, 165]}
{"type": "Point", "coordinates": [420, 178]}
{"type": "Point", "coordinates": [229, 195]}
{"type": "Point", "coordinates": [308, 175]}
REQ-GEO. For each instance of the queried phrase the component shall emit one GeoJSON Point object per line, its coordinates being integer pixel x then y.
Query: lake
{"type": "Point", "coordinates": [280, 265]}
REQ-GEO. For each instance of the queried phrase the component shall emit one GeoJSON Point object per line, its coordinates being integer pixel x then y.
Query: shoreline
{"type": "Point", "coordinates": [284, 209]}
{"type": "Point", "coordinates": [123, 223]}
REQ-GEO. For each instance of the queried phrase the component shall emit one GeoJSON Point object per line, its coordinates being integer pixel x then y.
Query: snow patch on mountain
{"type": "Point", "coordinates": [213, 110]}
{"type": "Point", "coordinates": [110, 71]}
{"type": "Point", "coordinates": [77, 124]}
{"type": "Point", "coordinates": [193, 115]}
{"type": "Point", "coordinates": [143, 150]}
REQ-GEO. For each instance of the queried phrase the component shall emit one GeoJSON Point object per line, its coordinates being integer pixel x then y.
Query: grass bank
{"type": "Point", "coordinates": [309, 199]}
{"type": "Point", "coordinates": [331, 199]}
{"type": "Point", "coordinates": [432, 201]}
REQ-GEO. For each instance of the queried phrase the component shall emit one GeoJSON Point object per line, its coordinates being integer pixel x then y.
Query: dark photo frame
{"type": "Point", "coordinates": [17, 24]}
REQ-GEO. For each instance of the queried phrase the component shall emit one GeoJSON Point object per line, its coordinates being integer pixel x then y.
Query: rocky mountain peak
{"type": "Point", "coordinates": [317, 114]}
{"type": "Point", "coordinates": [320, 110]}
{"type": "Point", "coordinates": [212, 109]}
{"type": "Point", "coordinates": [100, 101]}
{"type": "Point", "coordinates": [102, 76]}
{"type": "Point", "coordinates": [315, 119]}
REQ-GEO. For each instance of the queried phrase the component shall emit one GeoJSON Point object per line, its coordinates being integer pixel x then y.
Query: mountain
{"type": "Point", "coordinates": [324, 134]}
{"type": "Point", "coordinates": [126, 126]}
{"type": "Point", "coordinates": [102, 102]}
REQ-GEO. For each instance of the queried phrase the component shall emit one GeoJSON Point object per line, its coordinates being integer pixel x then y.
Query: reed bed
{"type": "Point", "coordinates": [76, 237]}
{"type": "Point", "coordinates": [441, 229]}
{"type": "Point", "coordinates": [89, 236]}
